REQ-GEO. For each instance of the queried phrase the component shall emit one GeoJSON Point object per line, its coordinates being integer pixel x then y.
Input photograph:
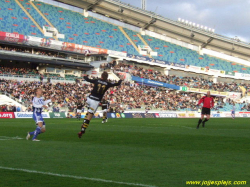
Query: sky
{"type": "Point", "coordinates": [228, 17]}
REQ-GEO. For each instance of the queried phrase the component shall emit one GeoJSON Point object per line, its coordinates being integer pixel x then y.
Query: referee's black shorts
{"type": "Point", "coordinates": [205, 111]}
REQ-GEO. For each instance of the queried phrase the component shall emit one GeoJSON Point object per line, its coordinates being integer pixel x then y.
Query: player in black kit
{"type": "Point", "coordinates": [105, 107]}
{"type": "Point", "coordinates": [93, 100]}
{"type": "Point", "coordinates": [79, 107]}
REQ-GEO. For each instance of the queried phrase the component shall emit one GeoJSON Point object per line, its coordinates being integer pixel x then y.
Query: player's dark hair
{"type": "Point", "coordinates": [35, 90]}
{"type": "Point", "coordinates": [105, 76]}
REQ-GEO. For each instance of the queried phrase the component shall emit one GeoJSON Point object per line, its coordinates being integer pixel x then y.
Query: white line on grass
{"type": "Point", "coordinates": [10, 138]}
{"type": "Point", "coordinates": [75, 177]}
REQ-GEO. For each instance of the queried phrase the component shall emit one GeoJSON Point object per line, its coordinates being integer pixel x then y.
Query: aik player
{"type": "Point", "coordinates": [93, 100]}
{"type": "Point", "coordinates": [208, 103]}
{"type": "Point", "coordinates": [105, 107]}
{"type": "Point", "coordinates": [79, 107]}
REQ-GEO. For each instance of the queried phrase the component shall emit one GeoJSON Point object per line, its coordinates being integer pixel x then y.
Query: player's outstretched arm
{"type": "Point", "coordinates": [116, 84]}
{"type": "Point", "coordinates": [86, 78]}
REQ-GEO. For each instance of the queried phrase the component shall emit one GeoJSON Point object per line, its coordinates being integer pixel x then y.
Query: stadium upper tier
{"type": "Point", "coordinates": [96, 33]}
{"type": "Point", "coordinates": [30, 9]}
{"type": "Point", "coordinates": [14, 20]}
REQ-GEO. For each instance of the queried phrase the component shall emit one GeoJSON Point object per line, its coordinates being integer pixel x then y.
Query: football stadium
{"type": "Point", "coordinates": [102, 93]}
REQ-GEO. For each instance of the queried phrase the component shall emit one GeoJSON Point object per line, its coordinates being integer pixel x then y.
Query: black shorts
{"type": "Point", "coordinates": [205, 111]}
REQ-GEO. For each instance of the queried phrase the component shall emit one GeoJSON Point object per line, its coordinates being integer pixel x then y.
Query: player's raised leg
{"type": "Point", "coordinates": [93, 105]}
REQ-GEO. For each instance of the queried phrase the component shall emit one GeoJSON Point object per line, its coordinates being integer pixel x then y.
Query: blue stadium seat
{"type": "Point", "coordinates": [14, 20]}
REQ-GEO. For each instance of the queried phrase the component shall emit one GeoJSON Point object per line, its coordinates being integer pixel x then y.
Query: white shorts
{"type": "Point", "coordinates": [78, 111]}
{"type": "Point", "coordinates": [105, 110]}
{"type": "Point", "coordinates": [92, 104]}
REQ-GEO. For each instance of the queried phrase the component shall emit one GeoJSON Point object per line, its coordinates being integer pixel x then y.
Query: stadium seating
{"type": "Point", "coordinates": [70, 77]}
{"type": "Point", "coordinates": [30, 9]}
{"type": "Point", "coordinates": [174, 53]}
{"type": "Point", "coordinates": [93, 32]}
{"type": "Point", "coordinates": [86, 30]}
{"type": "Point", "coordinates": [14, 20]}
{"type": "Point", "coordinates": [134, 37]}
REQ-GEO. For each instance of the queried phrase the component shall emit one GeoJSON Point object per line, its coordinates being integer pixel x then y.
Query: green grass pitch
{"type": "Point", "coordinates": [124, 152]}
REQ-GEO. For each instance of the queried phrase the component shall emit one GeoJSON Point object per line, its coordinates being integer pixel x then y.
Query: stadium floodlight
{"type": "Point", "coordinates": [194, 24]}
{"type": "Point", "coordinates": [213, 30]}
{"type": "Point", "coordinates": [183, 20]}
{"type": "Point", "coordinates": [198, 26]}
{"type": "Point", "coordinates": [205, 28]}
{"type": "Point", "coordinates": [201, 26]}
{"type": "Point", "coordinates": [209, 29]}
{"type": "Point", "coordinates": [186, 21]}
{"type": "Point", "coordinates": [190, 23]}
{"type": "Point", "coordinates": [179, 19]}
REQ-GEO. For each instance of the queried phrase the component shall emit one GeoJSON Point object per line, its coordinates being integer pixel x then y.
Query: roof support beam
{"type": "Point", "coordinates": [93, 5]}
{"type": "Point", "coordinates": [152, 21]}
{"type": "Point", "coordinates": [207, 42]}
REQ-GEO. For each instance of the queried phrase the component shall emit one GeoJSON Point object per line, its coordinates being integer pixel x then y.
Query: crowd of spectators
{"type": "Point", "coordinates": [128, 96]}
{"type": "Point", "coordinates": [30, 51]}
{"type": "Point", "coordinates": [17, 71]}
{"type": "Point", "coordinates": [192, 82]}
{"type": "Point", "coordinates": [10, 108]}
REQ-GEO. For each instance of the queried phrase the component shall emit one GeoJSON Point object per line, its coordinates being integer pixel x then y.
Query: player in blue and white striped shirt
{"type": "Point", "coordinates": [38, 105]}
{"type": "Point", "coordinates": [233, 111]}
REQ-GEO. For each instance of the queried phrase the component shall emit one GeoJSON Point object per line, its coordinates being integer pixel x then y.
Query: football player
{"type": "Point", "coordinates": [93, 100]}
{"type": "Point", "coordinates": [105, 107]}
{"type": "Point", "coordinates": [38, 105]}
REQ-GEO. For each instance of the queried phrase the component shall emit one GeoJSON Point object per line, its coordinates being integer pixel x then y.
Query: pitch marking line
{"type": "Point", "coordinates": [10, 138]}
{"type": "Point", "coordinates": [75, 177]}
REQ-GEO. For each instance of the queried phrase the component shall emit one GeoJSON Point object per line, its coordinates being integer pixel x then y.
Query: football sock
{"type": "Point", "coordinates": [85, 125]}
{"type": "Point", "coordinates": [36, 132]}
{"type": "Point", "coordinates": [199, 122]}
{"type": "Point", "coordinates": [86, 116]}
{"type": "Point", "coordinates": [205, 120]}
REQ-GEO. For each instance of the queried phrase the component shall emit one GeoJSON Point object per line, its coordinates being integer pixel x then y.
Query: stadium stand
{"type": "Point", "coordinates": [174, 53]}
{"type": "Point", "coordinates": [86, 30]}
{"type": "Point", "coordinates": [193, 82]}
{"type": "Point", "coordinates": [130, 96]}
{"type": "Point", "coordinates": [18, 71]}
{"type": "Point", "coordinates": [14, 20]}
{"type": "Point", "coordinates": [96, 33]}
{"type": "Point", "coordinates": [31, 10]}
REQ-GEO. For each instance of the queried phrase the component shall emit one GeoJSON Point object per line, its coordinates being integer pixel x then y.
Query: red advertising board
{"type": "Point", "coordinates": [12, 37]}
{"type": "Point", "coordinates": [81, 48]}
{"type": "Point", "coordinates": [7, 115]}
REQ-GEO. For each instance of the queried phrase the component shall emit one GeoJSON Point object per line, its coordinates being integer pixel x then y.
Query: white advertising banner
{"type": "Point", "coordinates": [30, 115]}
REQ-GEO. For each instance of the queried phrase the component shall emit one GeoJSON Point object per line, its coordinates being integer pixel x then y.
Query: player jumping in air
{"type": "Point", "coordinates": [208, 103]}
{"type": "Point", "coordinates": [93, 100]}
{"type": "Point", "coordinates": [233, 111]}
{"type": "Point", "coordinates": [38, 105]}
{"type": "Point", "coordinates": [105, 106]}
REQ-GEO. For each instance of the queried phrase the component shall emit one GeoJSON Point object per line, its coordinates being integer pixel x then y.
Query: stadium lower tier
{"type": "Point", "coordinates": [128, 96]}
{"type": "Point", "coordinates": [96, 33]}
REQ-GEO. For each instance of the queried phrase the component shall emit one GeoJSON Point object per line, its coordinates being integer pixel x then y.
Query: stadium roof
{"type": "Point", "coordinates": [145, 19]}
